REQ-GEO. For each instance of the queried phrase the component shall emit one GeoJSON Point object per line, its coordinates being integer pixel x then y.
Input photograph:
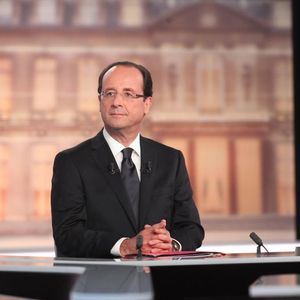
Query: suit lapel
{"type": "Point", "coordinates": [104, 157]}
{"type": "Point", "coordinates": [147, 180]}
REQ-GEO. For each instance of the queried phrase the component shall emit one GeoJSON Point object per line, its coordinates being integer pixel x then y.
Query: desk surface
{"type": "Point", "coordinates": [249, 258]}
{"type": "Point", "coordinates": [6, 260]}
{"type": "Point", "coordinates": [132, 279]}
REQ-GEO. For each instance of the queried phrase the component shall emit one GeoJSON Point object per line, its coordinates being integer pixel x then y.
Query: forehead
{"type": "Point", "coordinates": [123, 77]}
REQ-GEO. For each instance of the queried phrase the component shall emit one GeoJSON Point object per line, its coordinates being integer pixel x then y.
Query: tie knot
{"type": "Point", "coordinates": [127, 152]}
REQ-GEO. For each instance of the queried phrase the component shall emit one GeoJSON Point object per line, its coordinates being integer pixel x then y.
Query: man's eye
{"type": "Point", "coordinates": [110, 94]}
{"type": "Point", "coordinates": [128, 94]}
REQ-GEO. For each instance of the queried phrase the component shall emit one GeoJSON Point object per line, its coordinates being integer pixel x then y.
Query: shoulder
{"type": "Point", "coordinates": [77, 149]}
{"type": "Point", "coordinates": [78, 152]}
{"type": "Point", "coordinates": [163, 155]}
{"type": "Point", "coordinates": [159, 147]}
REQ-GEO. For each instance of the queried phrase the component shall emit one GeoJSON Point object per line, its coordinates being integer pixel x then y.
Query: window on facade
{"type": "Point", "coordinates": [283, 95]}
{"type": "Point", "coordinates": [131, 13]}
{"type": "Point", "coordinates": [3, 179]}
{"type": "Point", "coordinates": [246, 84]}
{"type": "Point", "coordinates": [46, 12]}
{"type": "Point", "coordinates": [41, 172]}
{"type": "Point", "coordinates": [45, 84]}
{"type": "Point", "coordinates": [210, 84]}
{"type": "Point", "coordinates": [6, 11]}
{"type": "Point", "coordinates": [173, 76]}
{"type": "Point", "coordinates": [88, 12]}
{"type": "Point", "coordinates": [5, 88]}
{"type": "Point", "coordinates": [88, 72]}
{"type": "Point", "coordinates": [173, 81]}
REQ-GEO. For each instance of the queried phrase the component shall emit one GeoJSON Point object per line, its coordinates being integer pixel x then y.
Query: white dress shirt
{"type": "Point", "coordinates": [116, 149]}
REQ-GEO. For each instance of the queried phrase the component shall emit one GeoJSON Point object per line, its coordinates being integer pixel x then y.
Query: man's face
{"type": "Point", "coordinates": [119, 113]}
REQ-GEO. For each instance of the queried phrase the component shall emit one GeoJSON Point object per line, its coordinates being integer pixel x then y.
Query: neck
{"type": "Point", "coordinates": [123, 137]}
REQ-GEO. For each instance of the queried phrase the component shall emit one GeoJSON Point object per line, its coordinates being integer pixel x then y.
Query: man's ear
{"type": "Point", "coordinates": [147, 104]}
{"type": "Point", "coordinates": [99, 99]}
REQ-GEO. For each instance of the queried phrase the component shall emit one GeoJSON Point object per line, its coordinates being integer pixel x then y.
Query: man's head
{"type": "Point", "coordinates": [125, 95]}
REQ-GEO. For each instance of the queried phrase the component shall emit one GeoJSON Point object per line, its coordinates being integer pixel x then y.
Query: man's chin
{"type": "Point", "coordinates": [116, 126]}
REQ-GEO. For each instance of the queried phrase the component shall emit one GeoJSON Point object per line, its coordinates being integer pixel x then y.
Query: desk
{"type": "Point", "coordinates": [227, 276]}
{"type": "Point", "coordinates": [230, 277]}
{"type": "Point", "coordinates": [38, 282]}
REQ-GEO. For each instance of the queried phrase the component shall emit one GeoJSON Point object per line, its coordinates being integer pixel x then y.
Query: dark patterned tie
{"type": "Point", "coordinates": [131, 181]}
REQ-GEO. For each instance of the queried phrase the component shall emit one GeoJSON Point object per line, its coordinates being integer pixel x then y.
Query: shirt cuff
{"type": "Point", "coordinates": [115, 250]}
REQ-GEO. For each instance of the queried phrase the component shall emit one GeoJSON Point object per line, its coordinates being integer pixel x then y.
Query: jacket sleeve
{"type": "Point", "coordinates": [69, 220]}
{"type": "Point", "coordinates": [186, 226]}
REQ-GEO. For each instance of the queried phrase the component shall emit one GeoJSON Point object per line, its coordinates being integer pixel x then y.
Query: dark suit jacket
{"type": "Point", "coordinates": [90, 209]}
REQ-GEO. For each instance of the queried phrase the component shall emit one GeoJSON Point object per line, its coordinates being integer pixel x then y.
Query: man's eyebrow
{"type": "Point", "coordinates": [109, 89]}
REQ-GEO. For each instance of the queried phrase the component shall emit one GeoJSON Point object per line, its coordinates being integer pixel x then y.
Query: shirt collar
{"type": "Point", "coordinates": [117, 147]}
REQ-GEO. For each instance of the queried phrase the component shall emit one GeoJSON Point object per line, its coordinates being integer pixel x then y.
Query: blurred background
{"type": "Point", "coordinates": [222, 72]}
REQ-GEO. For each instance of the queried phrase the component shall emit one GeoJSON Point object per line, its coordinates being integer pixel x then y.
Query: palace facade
{"type": "Point", "coordinates": [222, 75]}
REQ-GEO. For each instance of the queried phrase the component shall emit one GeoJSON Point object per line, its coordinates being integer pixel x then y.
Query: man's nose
{"type": "Point", "coordinates": [118, 100]}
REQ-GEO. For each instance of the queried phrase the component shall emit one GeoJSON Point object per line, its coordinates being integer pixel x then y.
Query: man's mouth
{"type": "Point", "coordinates": [117, 114]}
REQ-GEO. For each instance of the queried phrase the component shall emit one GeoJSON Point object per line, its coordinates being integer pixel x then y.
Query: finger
{"type": "Point", "coordinates": [154, 242]}
{"type": "Point", "coordinates": [160, 238]}
{"type": "Point", "coordinates": [157, 250]}
{"type": "Point", "coordinates": [146, 249]}
{"type": "Point", "coordinates": [161, 231]}
{"type": "Point", "coordinates": [163, 223]}
{"type": "Point", "coordinates": [162, 235]}
{"type": "Point", "coordinates": [160, 225]}
{"type": "Point", "coordinates": [161, 247]}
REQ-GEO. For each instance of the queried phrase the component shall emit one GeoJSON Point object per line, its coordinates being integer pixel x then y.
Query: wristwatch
{"type": "Point", "coordinates": [175, 245]}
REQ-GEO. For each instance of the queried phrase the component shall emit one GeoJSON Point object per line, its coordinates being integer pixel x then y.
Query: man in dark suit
{"type": "Point", "coordinates": [103, 198]}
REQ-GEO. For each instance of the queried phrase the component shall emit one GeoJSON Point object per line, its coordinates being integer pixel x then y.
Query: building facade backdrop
{"type": "Point", "coordinates": [222, 75]}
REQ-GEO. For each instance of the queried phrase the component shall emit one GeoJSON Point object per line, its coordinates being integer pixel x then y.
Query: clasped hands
{"type": "Point", "coordinates": [156, 238]}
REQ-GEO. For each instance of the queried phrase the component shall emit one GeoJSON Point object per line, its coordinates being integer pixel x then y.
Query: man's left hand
{"type": "Point", "coordinates": [161, 240]}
